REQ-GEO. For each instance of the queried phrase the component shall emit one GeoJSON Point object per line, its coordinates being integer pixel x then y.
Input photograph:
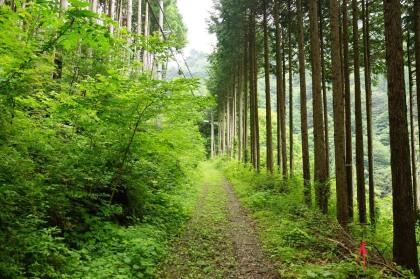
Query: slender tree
{"type": "Point", "coordinates": [320, 172]}
{"type": "Point", "coordinates": [324, 88]}
{"type": "Point", "coordinates": [360, 170]}
{"type": "Point", "coordinates": [303, 108]}
{"type": "Point", "coordinates": [280, 81]}
{"type": "Point", "coordinates": [240, 111]}
{"type": "Point", "coordinates": [289, 31]}
{"type": "Point", "coordinates": [347, 94]}
{"type": "Point", "coordinates": [417, 50]}
{"type": "Point", "coordinates": [269, 132]}
{"type": "Point", "coordinates": [404, 246]}
{"type": "Point", "coordinates": [368, 90]}
{"type": "Point", "coordinates": [338, 99]}
{"type": "Point", "coordinates": [246, 102]}
{"type": "Point", "coordinates": [139, 25]}
{"type": "Point", "coordinates": [413, 145]}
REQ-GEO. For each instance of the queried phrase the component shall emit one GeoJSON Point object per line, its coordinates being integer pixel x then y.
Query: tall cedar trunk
{"type": "Point", "coordinates": [111, 14]}
{"type": "Point", "coordinates": [360, 169]}
{"type": "Point", "coordinates": [251, 94]}
{"type": "Point", "coordinates": [404, 241]}
{"type": "Point", "coordinates": [279, 83]}
{"type": "Point", "coordinates": [212, 151]}
{"type": "Point", "coordinates": [348, 130]}
{"type": "Point", "coordinates": [413, 145]}
{"type": "Point", "coordinates": [228, 119]}
{"type": "Point", "coordinates": [246, 103]}
{"type": "Point", "coordinates": [219, 133]}
{"type": "Point", "coordinates": [417, 50]}
{"type": "Point", "coordinates": [283, 114]}
{"type": "Point", "coordinates": [139, 25]}
{"type": "Point", "coordinates": [129, 26]}
{"type": "Point", "coordinates": [240, 111]}
{"type": "Point", "coordinates": [146, 65]}
{"type": "Point", "coordinates": [324, 89]}
{"type": "Point", "coordinates": [338, 99]}
{"type": "Point", "coordinates": [290, 89]}
{"type": "Point", "coordinates": [234, 113]}
{"type": "Point", "coordinates": [159, 63]}
{"type": "Point", "coordinates": [255, 77]}
{"type": "Point", "coordinates": [64, 4]}
{"type": "Point", "coordinates": [303, 109]}
{"type": "Point", "coordinates": [417, 58]}
{"type": "Point", "coordinates": [269, 132]}
{"type": "Point", "coordinates": [94, 6]}
{"type": "Point", "coordinates": [320, 172]}
{"type": "Point", "coordinates": [368, 90]}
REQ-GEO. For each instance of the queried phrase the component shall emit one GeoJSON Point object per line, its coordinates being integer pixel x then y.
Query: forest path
{"type": "Point", "coordinates": [220, 240]}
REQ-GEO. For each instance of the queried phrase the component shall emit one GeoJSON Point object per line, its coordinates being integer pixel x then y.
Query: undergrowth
{"type": "Point", "coordinates": [307, 243]}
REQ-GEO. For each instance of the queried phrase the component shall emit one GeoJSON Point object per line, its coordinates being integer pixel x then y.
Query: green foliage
{"type": "Point", "coordinates": [97, 156]}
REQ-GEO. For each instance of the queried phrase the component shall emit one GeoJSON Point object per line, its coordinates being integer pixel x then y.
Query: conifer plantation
{"type": "Point", "coordinates": [289, 151]}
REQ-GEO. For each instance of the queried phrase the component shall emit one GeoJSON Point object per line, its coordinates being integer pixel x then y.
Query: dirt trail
{"type": "Point", "coordinates": [220, 240]}
{"type": "Point", "coordinates": [251, 259]}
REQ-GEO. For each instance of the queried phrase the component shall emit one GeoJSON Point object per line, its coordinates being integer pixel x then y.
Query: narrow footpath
{"type": "Point", "coordinates": [220, 240]}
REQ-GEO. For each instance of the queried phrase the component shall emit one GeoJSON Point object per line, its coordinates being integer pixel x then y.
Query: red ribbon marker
{"type": "Point", "coordinates": [362, 253]}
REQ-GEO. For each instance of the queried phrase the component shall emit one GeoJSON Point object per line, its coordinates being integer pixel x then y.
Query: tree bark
{"type": "Point", "coordinates": [413, 145]}
{"type": "Point", "coordinates": [404, 239]}
{"type": "Point", "coordinates": [320, 172]}
{"type": "Point", "coordinates": [291, 165]}
{"type": "Point", "coordinates": [324, 89]}
{"type": "Point", "coordinates": [348, 130]}
{"type": "Point", "coordinates": [338, 99]}
{"type": "Point", "coordinates": [269, 133]}
{"type": "Point", "coordinates": [240, 111]}
{"type": "Point", "coordinates": [303, 108]}
{"type": "Point", "coordinates": [139, 25]}
{"type": "Point", "coordinates": [246, 103]}
{"type": "Point", "coordinates": [360, 170]}
{"type": "Point", "coordinates": [417, 50]}
{"type": "Point", "coordinates": [368, 90]}
{"type": "Point", "coordinates": [279, 83]}
{"type": "Point", "coordinates": [146, 65]}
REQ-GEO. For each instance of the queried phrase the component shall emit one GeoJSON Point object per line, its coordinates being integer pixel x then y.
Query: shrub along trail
{"type": "Point", "coordinates": [219, 241]}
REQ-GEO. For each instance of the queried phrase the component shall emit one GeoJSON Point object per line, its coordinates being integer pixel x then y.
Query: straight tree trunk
{"type": "Point", "coordinates": [279, 82]}
{"type": "Point", "coordinates": [240, 111]}
{"type": "Point", "coordinates": [368, 90]}
{"type": "Point", "coordinates": [111, 14]}
{"type": "Point", "coordinates": [255, 77]}
{"type": "Point", "coordinates": [251, 97]}
{"type": "Point", "coordinates": [146, 65]}
{"type": "Point", "coordinates": [303, 108]}
{"type": "Point", "coordinates": [290, 90]}
{"type": "Point", "coordinates": [212, 151]}
{"type": "Point", "coordinates": [404, 238]}
{"type": "Point", "coordinates": [246, 103]}
{"type": "Point", "coordinates": [139, 25]}
{"type": "Point", "coordinates": [324, 88]}
{"type": "Point", "coordinates": [417, 50]}
{"type": "Point", "coordinates": [228, 121]}
{"type": "Point", "coordinates": [413, 145]}
{"type": "Point", "coordinates": [320, 172]}
{"type": "Point", "coordinates": [360, 169]}
{"type": "Point", "coordinates": [219, 133]}
{"type": "Point", "coordinates": [348, 130]}
{"type": "Point", "coordinates": [338, 99]}
{"type": "Point", "coordinates": [269, 133]}
{"type": "Point", "coordinates": [283, 115]}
